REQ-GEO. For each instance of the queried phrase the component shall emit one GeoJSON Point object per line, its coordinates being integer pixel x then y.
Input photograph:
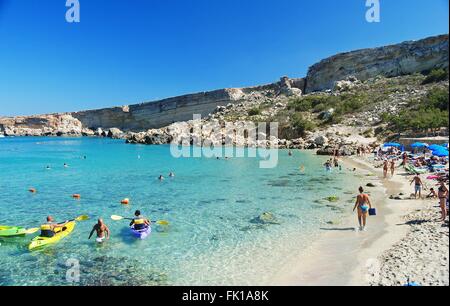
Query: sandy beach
{"type": "Point", "coordinates": [404, 242]}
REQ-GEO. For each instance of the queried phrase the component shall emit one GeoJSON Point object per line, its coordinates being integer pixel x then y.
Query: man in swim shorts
{"type": "Point", "coordinates": [363, 204]}
{"type": "Point", "coordinates": [418, 184]}
{"type": "Point", "coordinates": [102, 231]}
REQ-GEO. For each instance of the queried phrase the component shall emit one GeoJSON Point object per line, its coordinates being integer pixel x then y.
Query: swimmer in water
{"type": "Point", "coordinates": [171, 174]}
{"type": "Point", "coordinates": [290, 153]}
{"type": "Point", "coordinates": [327, 166]}
{"type": "Point", "coordinates": [66, 165]}
{"type": "Point", "coordinates": [161, 178]}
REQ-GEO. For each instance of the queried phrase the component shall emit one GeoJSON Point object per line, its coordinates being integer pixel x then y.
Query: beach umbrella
{"type": "Point", "coordinates": [419, 145]}
{"type": "Point", "coordinates": [392, 144]}
{"type": "Point", "coordinates": [435, 147]}
{"type": "Point", "coordinates": [440, 153]}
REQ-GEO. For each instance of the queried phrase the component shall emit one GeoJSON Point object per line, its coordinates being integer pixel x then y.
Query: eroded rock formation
{"type": "Point", "coordinates": [390, 61]}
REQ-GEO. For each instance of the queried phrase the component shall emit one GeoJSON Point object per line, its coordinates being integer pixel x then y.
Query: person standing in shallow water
{"type": "Point", "coordinates": [363, 204]}
{"type": "Point", "coordinates": [102, 231]}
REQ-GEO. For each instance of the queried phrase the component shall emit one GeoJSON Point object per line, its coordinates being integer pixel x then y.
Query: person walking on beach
{"type": "Point", "coordinates": [385, 168]}
{"type": "Point", "coordinates": [102, 231]}
{"type": "Point", "coordinates": [405, 159]}
{"type": "Point", "coordinates": [363, 204]}
{"type": "Point", "coordinates": [443, 196]}
{"type": "Point", "coordinates": [392, 167]}
{"type": "Point", "coordinates": [418, 184]}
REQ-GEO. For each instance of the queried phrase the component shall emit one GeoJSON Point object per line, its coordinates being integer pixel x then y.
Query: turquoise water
{"type": "Point", "coordinates": [211, 204]}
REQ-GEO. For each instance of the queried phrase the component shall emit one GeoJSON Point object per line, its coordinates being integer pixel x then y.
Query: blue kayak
{"type": "Point", "coordinates": [141, 234]}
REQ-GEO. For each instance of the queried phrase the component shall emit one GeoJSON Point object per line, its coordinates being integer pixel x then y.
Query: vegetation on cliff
{"type": "Point", "coordinates": [427, 114]}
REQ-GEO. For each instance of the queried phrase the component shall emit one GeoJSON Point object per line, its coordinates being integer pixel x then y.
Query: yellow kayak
{"type": "Point", "coordinates": [39, 242]}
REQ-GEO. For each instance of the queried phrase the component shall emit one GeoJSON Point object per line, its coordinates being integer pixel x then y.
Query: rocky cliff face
{"type": "Point", "coordinates": [141, 117]}
{"type": "Point", "coordinates": [390, 61]}
{"type": "Point", "coordinates": [404, 58]}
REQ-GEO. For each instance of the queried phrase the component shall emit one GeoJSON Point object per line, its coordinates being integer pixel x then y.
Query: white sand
{"type": "Point", "coordinates": [390, 252]}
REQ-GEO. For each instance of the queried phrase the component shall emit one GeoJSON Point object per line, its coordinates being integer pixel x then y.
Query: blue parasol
{"type": "Point", "coordinates": [419, 145]}
{"type": "Point", "coordinates": [392, 144]}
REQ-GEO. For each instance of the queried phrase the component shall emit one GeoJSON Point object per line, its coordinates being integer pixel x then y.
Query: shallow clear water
{"type": "Point", "coordinates": [210, 204]}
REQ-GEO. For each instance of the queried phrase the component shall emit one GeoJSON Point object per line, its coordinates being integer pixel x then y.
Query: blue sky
{"type": "Point", "coordinates": [131, 51]}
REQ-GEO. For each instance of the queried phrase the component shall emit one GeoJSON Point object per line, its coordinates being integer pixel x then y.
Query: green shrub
{"type": "Point", "coordinates": [436, 75]}
{"type": "Point", "coordinates": [300, 105]}
{"type": "Point", "coordinates": [437, 98]}
{"type": "Point", "coordinates": [429, 113]}
{"type": "Point", "coordinates": [301, 125]}
{"type": "Point", "coordinates": [254, 111]}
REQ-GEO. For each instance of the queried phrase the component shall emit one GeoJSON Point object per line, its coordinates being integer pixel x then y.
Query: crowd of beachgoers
{"type": "Point", "coordinates": [423, 255]}
{"type": "Point", "coordinates": [427, 165]}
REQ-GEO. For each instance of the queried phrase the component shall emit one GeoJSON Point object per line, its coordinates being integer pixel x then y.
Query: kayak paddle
{"type": "Point", "coordinates": [118, 218]}
{"type": "Point", "coordinates": [80, 218]}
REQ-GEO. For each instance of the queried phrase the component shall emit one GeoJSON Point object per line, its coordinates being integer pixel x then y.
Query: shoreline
{"type": "Point", "coordinates": [343, 256]}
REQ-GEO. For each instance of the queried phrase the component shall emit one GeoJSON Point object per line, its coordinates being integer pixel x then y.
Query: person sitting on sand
{"type": "Point", "coordinates": [363, 204]}
{"type": "Point", "coordinates": [49, 229]}
{"type": "Point", "coordinates": [418, 184]}
{"type": "Point", "coordinates": [139, 222]}
{"type": "Point", "coordinates": [432, 194]}
{"type": "Point", "coordinates": [102, 231]}
{"type": "Point", "coordinates": [443, 196]}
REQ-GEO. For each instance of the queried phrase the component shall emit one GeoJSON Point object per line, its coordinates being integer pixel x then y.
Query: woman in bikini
{"type": "Point", "coordinates": [392, 167]}
{"type": "Point", "coordinates": [443, 195]}
{"type": "Point", "coordinates": [363, 204]}
{"type": "Point", "coordinates": [385, 168]}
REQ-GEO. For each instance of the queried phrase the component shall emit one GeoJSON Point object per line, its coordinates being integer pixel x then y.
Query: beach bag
{"type": "Point", "coordinates": [372, 212]}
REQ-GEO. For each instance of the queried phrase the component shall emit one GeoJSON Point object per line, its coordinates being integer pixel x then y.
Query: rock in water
{"type": "Point", "coordinates": [265, 218]}
{"type": "Point", "coordinates": [115, 133]}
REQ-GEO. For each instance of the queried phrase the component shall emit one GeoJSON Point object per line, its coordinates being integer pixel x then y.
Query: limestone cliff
{"type": "Point", "coordinates": [140, 117]}
{"type": "Point", "coordinates": [390, 61]}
